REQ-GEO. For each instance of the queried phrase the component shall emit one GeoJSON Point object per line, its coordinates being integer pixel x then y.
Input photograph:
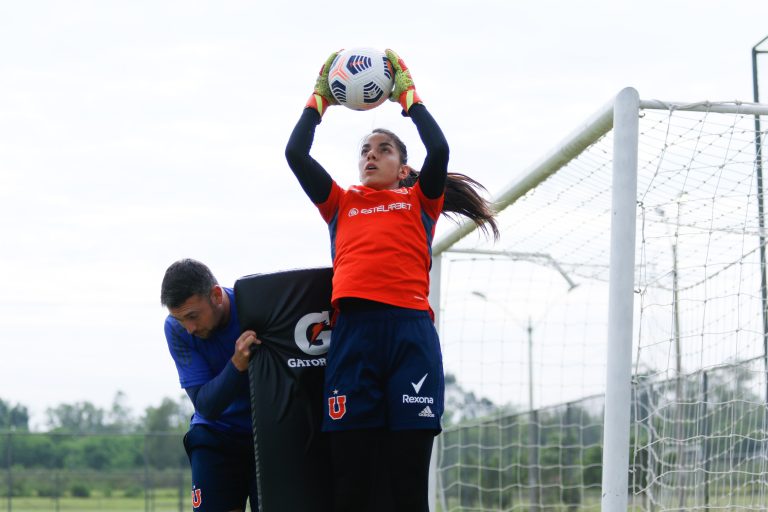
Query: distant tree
{"type": "Point", "coordinates": [119, 418]}
{"type": "Point", "coordinates": [13, 417]}
{"type": "Point", "coordinates": [163, 448]}
{"type": "Point", "coordinates": [170, 416]}
{"type": "Point", "coordinates": [79, 417]}
{"type": "Point", "coordinates": [462, 405]}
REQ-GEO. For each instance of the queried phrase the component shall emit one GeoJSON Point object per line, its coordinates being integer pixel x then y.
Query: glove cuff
{"type": "Point", "coordinates": [317, 102]}
{"type": "Point", "coordinates": [408, 98]}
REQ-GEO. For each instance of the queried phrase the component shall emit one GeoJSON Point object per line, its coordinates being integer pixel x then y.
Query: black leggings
{"type": "Point", "coordinates": [377, 470]}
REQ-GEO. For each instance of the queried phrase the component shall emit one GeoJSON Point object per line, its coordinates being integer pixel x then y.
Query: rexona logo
{"type": "Point", "coordinates": [409, 399]}
{"type": "Point", "coordinates": [313, 333]}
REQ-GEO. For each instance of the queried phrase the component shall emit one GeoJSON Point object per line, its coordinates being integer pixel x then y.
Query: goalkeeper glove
{"type": "Point", "coordinates": [404, 92]}
{"type": "Point", "coordinates": [322, 96]}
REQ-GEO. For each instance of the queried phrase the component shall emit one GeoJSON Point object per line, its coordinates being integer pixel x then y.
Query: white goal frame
{"type": "Point", "coordinates": [620, 115]}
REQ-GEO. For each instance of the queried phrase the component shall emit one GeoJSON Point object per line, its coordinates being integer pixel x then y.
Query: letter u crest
{"type": "Point", "coordinates": [197, 498]}
{"type": "Point", "coordinates": [337, 406]}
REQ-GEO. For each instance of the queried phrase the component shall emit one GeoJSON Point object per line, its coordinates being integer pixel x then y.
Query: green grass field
{"type": "Point", "coordinates": [161, 500]}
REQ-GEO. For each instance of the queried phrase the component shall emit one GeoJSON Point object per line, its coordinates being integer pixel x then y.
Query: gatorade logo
{"type": "Point", "coordinates": [197, 498]}
{"type": "Point", "coordinates": [337, 406]}
{"type": "Point", "coordinates": [313, 333]}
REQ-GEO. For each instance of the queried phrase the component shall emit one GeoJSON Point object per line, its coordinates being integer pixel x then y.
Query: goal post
{"type": "Point", "coordinates": [620, 303]}
{"type": "Point", "coordinates": [596, 351]}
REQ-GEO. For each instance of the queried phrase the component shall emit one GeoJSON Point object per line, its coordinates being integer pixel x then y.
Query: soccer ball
{"type": "Point", "coordinates": [361, 78]}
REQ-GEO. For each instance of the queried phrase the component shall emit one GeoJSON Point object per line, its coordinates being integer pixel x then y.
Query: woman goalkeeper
{"type": "Point", "coordinates": [384, 381]}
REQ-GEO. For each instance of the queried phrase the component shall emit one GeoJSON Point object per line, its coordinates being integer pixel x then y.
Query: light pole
{"type": "Point", "coordinates": [533, 429]}
{"type": "Point", "coordinates": [534, 495]}
{"type": "Point", "coordinates": [678, 351]}
{"type": "Point", "coordinates": [675, 290]}
{"type": "Point", "coordinates": [528, 328]}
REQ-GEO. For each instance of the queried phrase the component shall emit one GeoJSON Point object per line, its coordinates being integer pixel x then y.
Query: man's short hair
{"type": "Point", "coordinates": [183, 279]}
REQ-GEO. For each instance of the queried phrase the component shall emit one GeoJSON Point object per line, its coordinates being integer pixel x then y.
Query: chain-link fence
{"type": "Point", "coordinates": [126, 472]}
{"type": "Point", "coordinates": [699, 442]}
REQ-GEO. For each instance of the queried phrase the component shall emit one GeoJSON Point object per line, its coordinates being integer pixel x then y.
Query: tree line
{"type": "Point", "coordinates": [84, 417]}
{"type": "Point", "coordinates": [86, 448]}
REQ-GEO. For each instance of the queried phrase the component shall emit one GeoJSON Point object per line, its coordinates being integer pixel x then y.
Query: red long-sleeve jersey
{"type": "Point", "coordinates": [381, 243]}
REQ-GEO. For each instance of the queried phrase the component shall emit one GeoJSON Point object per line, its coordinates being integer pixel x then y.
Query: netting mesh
{"type": "Point", "coordinates": [523, 324]}
{"type": "Point", "coordinates": [700, 391]}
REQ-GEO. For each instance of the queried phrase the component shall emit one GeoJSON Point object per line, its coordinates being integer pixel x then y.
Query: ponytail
{"type": "Point", "coordinates": [462, 197]}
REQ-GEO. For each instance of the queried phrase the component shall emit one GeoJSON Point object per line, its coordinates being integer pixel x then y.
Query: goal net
{"type": "Point", "coordinates": [524, 326]}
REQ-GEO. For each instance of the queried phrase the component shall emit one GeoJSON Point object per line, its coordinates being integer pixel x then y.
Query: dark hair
{"type": "Point", "coordinates": [462, 196]}
{"type": "Point", "coordinates": [183, 279]}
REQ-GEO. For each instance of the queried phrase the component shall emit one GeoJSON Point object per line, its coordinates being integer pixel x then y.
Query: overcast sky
{"type": "Point", "coordinates": [136, 133]}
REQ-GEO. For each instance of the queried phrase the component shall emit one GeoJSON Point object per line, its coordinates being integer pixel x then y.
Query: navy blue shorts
{"type": "Point", "coordinates": [223, 469]}
{"type": "Point", "coordinates": [385, 370]}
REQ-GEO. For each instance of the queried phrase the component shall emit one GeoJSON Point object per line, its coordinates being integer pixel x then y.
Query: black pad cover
{"type": "Point", "coordinates": [290, 313]}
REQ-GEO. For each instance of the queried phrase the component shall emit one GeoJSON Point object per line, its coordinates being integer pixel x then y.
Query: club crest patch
{"type": "Point", "coordinates": [337, 406]}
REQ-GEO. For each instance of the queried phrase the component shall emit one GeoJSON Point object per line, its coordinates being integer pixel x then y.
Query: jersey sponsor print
{"type": "Point", "coordinates": [379, 227]}
{"type": "Point", "coordinates": [313, 333]}
{"type": "Point", "coordinates": [313, 337]}
{"type": "Point", "coordinates": [426, 413]}
{"type": "Point", "coordinates": [418, 399]}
